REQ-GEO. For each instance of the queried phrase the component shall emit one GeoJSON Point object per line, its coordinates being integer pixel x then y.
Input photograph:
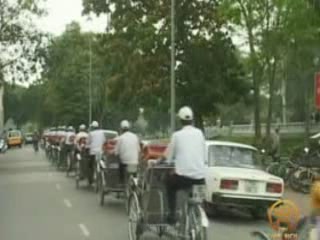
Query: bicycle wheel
{"type": "Point", "coordinates": [69, 164]}
{"type": "Point", "coordinates": [78, 174]}
{"type": "Point", "coordinates": [305, 179]}
{"type": "Point", "coordinates": [135, 230]}
{"type": "Point", "coordinates": [196, 231]}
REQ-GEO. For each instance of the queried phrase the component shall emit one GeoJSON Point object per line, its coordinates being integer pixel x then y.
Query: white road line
{"type": "Point", "coordinates": [58, 186]}
{"type": "Point", "coordinates": [67, 203]}
{"type": "Point", "coordinates": [84, 230]}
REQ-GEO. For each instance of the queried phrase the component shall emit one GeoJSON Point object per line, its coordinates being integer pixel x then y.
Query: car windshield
{"type": "Point", "coordinates": [14, 134]}
{"type": "Point", "coordinates": [110, 135]}
{"type": "Point", "coordinates": [229, 156]}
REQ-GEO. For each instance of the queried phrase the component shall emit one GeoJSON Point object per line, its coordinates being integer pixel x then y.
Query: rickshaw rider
{"type": "Point", "coordinates": [69, 142]}
{"type": "Point", "coordinates": [96, 141]}
{"type": "Point", "coordinates": [127, 149]}
{"type": "Point", "coordinates": [187, 151]}
{"type": "Point", "coordinates": [81, 138]}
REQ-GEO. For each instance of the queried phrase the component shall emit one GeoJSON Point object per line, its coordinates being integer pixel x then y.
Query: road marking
{"type": "Point", "coordinates": [58, 186]}
{"type": "Point", "coordinates": [67, 203]}
{"type": "Point", "coordinates": [84, 230]}
{"type": "Point", "coordinates": [50, 174]}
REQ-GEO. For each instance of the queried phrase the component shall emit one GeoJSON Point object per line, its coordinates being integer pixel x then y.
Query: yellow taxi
{"type": "Point", "coordinates": [14, 138]}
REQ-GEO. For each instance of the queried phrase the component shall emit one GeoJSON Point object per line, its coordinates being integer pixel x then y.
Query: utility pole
{"type": "Point", "coordinates": [173, 65]}
{"type": "Point", "coordinates": [90, 80]}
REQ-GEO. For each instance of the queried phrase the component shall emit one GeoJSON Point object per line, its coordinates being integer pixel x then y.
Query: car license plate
{"type": "Point", "coordinates": [251, 187]}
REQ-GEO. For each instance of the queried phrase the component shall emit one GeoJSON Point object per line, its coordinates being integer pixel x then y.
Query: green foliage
{"type": "Point", "coordinates": [139, 53]}
{"type": "Point", "coordinates": [67, 76]}
{"type": "Point", "coordinates": [21, 43]}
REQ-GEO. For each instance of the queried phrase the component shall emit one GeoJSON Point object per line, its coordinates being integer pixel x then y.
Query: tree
{"type": "Point", "coordinates": [206, 60]}
{"type": "Point", "coordinates": [20, 43]}
{"type": "Point", "coordinates": [67, 74]}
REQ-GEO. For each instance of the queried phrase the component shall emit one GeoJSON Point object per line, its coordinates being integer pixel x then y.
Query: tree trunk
{"type": "Point", "coordinates": [256, 85]}
{"type": "Point", "coordinates": [271, 97]}
{"type": "Point", "coordinates": [257, 120]}
{"type": "Point", "coordinates": [199, 121]}
{"type": "Point", "coordinates": [248, 16]}
{"type": "Point", "coordinates": [1, 107]}
{"type": "Point", "coordinates": [307, 115]}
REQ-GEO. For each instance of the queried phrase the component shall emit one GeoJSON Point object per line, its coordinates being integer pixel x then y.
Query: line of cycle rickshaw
{"type": "Point", "coordinates": [143, 190]}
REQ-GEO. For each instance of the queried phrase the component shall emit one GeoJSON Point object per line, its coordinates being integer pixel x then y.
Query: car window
{"type": "Point", "coordinates": [228, 156]}
{"type": "Point", "coordinates": [14, 134]}
{"type": "Point", "coordinates": [110, 135]}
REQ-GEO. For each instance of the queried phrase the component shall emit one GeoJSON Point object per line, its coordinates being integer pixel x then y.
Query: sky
{"type": "Point", "coordinates": [62, 12]}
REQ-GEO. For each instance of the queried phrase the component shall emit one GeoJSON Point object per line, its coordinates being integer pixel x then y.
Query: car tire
{"type": "Point", "coordinates": [210, 209]}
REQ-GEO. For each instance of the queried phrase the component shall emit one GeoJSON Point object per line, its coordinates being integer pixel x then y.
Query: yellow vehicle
{"type": "Point", "coordinates": [14, 139]}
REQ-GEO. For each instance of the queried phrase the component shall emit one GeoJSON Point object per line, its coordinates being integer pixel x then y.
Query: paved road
{"type": "Point", "coordinates": [37, 202]}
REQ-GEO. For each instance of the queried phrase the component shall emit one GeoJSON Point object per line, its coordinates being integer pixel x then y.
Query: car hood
{"type": "Point", "coordinates": [242, 173]}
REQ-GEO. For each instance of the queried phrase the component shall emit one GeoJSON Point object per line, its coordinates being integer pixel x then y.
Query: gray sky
{"type": "Point", "coordinates": [62, 12]}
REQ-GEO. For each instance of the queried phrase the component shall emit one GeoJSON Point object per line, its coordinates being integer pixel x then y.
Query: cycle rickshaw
{"type": "Point", "coordinates": [82, 162]}
{"type": "Point", "coordinates": [148, 208]}
{"type": "Point", "coordinates": [109, 180]}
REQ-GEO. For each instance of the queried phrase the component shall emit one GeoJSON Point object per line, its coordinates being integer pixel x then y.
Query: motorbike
{"type": "Point", "coordinates": [302, 177]}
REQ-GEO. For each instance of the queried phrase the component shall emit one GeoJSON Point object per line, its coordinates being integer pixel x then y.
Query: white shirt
{"type": "Point", "coordinates": [69, 135]}
{"type": "Point", "coordinates": [79, 136]}
{"type": "Point", "coordinates": [187, 151]}
{"type": "Point", "coordinates": [61, 135]}
{"type": "Point", "coordinates": [128, 148]}
{"type": "Point", "coordinates": [96, 141]}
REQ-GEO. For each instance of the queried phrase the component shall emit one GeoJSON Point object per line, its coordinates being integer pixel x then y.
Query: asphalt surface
{"type": "Point", "coordinates": [37, 202]}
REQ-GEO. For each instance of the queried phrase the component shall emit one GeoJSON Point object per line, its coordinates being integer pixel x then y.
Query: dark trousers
{"type": "Point", "coordinates": [174, 183]}
{"type": "Point", "coordinates": [91, 167]}
{"type": "Point", "coordinates": [122, 172]}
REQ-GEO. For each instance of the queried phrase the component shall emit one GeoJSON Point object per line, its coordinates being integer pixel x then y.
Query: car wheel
{"type": "Point", "coordinates": [210, 209]}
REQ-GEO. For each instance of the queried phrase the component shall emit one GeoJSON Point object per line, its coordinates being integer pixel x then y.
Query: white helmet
{"type": "Point", "coordinates": [95, 124]}
{"type": "Point", "coordinates": [185, 113]}
{"type": "Point", "coordinates": [70, 128]}
{"type": "Point", "coordinates": [125, 124]}
{"type": "Point", "coordinates": [82, 127]}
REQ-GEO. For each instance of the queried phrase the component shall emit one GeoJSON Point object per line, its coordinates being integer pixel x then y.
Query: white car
{"type": "Point", "coordinates": [235, 179]}
{"type": "Point", "coordinates": [110, 134]}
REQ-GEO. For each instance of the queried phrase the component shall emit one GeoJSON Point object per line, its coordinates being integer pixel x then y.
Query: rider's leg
{"type": "Point", "coordinates": [122, 172]}
{"type": "Point", "coordinates": [91, 163]}
{"type": "Point", "coordinates": [175, 183]}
